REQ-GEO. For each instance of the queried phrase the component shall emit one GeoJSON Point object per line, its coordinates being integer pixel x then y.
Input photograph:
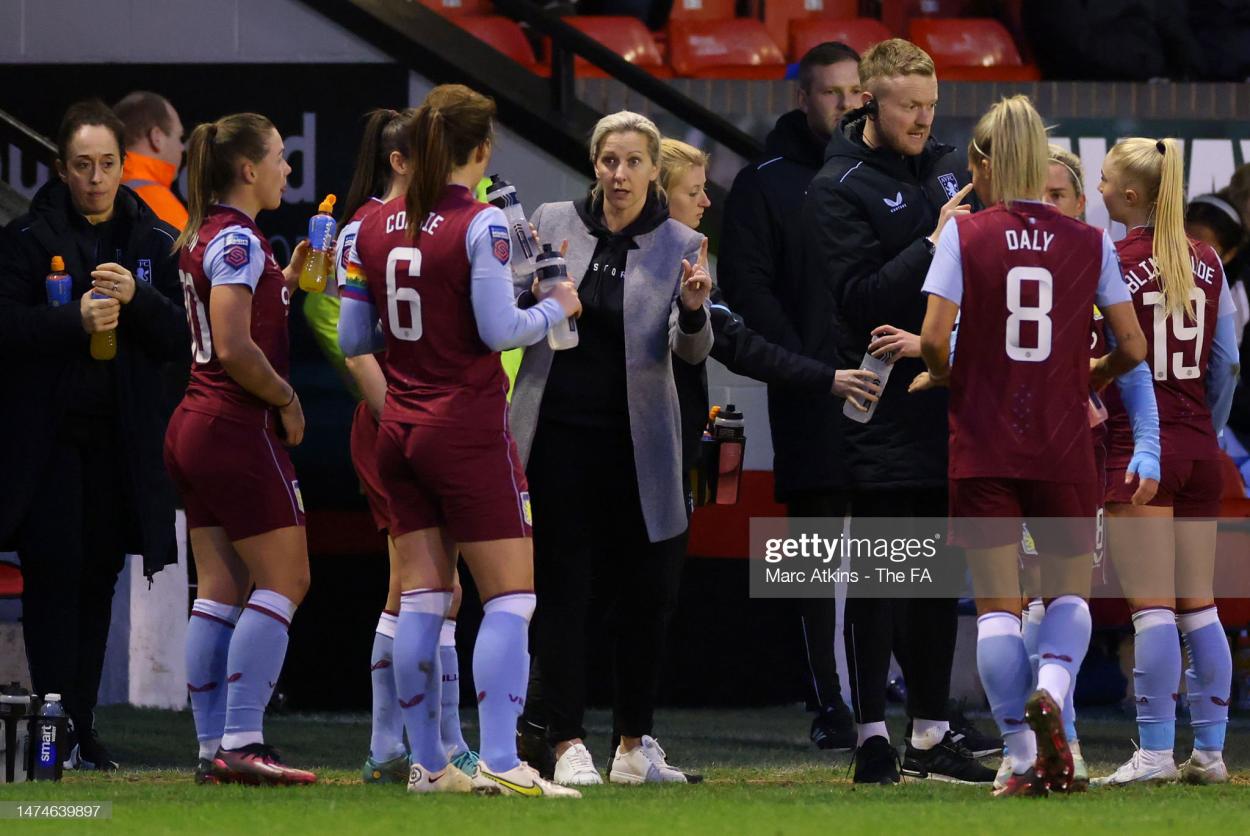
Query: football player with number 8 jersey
{"type": "Point", "coordinates": [434, 266]}
{"type": "Point", "coordinates": [1023, 278]}
{"type": "Point", "coordinates": [1164, 554]}
{"type": "Point", "coordinates": [245, 514]}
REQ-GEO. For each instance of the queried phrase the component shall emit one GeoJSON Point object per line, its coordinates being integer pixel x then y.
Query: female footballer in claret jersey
{"type": "Point", "coordinates": [224, 448]}
{"type": "Point", "coordinates": [434, 266]}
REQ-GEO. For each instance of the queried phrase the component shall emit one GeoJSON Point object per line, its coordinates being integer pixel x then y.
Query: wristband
{"type": "Point", "coordinates": [290, 400]}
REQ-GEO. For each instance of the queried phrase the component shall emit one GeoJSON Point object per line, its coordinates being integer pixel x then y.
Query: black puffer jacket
{"type": "Point", "coordinates": [865, 221]}
{"type": "Point", "coordinates": [43, 349]}
{"type": "Point", "coordinates": [761, 273]}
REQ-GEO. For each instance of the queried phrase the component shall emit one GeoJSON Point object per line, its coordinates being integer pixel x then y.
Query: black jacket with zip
{"type": "Point", "coordinates": [865, 221]}
{"type": "Point", "coordinates": [760, 271]}
{"type": "Point", "coordinates": [44, 349]}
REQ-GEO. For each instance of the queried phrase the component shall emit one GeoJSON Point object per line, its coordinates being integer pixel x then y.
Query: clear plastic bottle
{"type": "Point", "coordinates": [729, 430]}
{"type": "Point", "coordinates": [50, 733]}
{"type": "Point", "coordinates": [503, 194]}
{"type": "Point", "coordinates": [551, 269]}
{"type": "Point", "coordinates": [318, 267]}
{"type": "Point", "coordinates": [103, 343]}
{"type": "Point", "coordinates": [880, 367]}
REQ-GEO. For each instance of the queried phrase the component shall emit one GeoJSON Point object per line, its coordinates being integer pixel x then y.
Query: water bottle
{"type": "Point", "coordinates": [552, 269]}
{"type": "Point", "coordinates": [321, 231]}
{"type": "Point", "coordinates": [503, 194]}
{"type": "Point", "coordinates": [729, 430]}
{"type": "Point", "coordinates": [50, 735]}
{"type": "Point", "coordinates": [15, 706]}
{"type": "Point", "coordinates": [103, 343]}
{"type": "Point", "coordinates": [880, 367]}
{"type": "Point", "coordinates": [59, 284]}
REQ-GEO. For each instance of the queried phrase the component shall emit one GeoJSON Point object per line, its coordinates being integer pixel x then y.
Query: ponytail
{"type": "Point", "coordinates": [1012, 137]}
{"type": "Point", "coordinates": [212, 152]}
{"type": "Point", "coordinates": [385, 132]}
{"type": "Point", "coordinates": [448, 127]}
{"type": "Point", "coordinates": [1158, 169]}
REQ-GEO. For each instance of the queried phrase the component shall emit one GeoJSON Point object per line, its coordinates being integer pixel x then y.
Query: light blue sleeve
{"type": "Point", "coordinates": [946, 272]}
{"type": "Point", "coordinates": [1112, 289]}
{"type": "Point", "coordinates": [500, 323]}
{"type": "Point", "coordinates": [1137, 390]}
{"type": "Point", "coordinates": [1222, 371]}
{"type": "Point", "coordinates": [359, 329]}
{"type": "Point", "coordinates": [234, 256]}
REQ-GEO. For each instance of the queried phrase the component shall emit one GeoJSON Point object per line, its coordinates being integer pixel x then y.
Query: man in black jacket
{"type": "Point", "coordinates": [761, 274]}
{"type": "Point", "coordinates": [870, 221]}
{"type": "Point", "coordinates": [81, 439]}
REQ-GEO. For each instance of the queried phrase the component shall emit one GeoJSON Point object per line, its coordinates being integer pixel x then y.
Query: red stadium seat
{"type": "Point", "coordinates": [504, 35]}
{"type": "Point", "coordinates": [459, 8]}
{"type": "Point", "coordinates": [724, 49]}
{"type": "Point", "coordinates": [626, 36]}
{"type": "Point", "coordinates": [858, 33]}
{"type": "Point", "coordinates": [705, 10]}
{"type": "Point", "coordinates": [971, 49]}
{"type": "Point", "coordinates": [780, 14]}
{"type": "Point", "coordinates": [896, 14]}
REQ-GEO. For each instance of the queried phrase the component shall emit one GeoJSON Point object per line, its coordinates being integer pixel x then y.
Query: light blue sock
{"type": "Point", "coordinates": [1030, 625]}
{"type": "Point", "coordinates": [1069, 714]}
{"type": "Point", "coordinates": [1061, 645]}
{"type": "Point", "coordinates": [418, 680]}
{"type": "Point", "coordinates": [1209, 677]}
{"type": "Point", "coordinates": [208, 645]}
{"type": "Point", "coordinates": [1156, 676]}
{"type": "Point", "coordinates": [1004, 668]}
{"type": "Point", "coordinates": [501, 664]}
{"type": "Point", "coordinates": [449, 726]}
{"type": "Point", "coordinates": [386, 738]}
{"type": "Point", "coordinates": [257, 651]}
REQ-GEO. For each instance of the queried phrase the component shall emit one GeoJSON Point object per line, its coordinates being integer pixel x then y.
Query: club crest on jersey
{"type": "Point", "coordinates": [501, 244]}
{"type": "Point", "coordinates": [238, 250]}
{"type": "Point", "coordinates": [949, 184]}
{"type": "Point", "coordinates": [144, 271]}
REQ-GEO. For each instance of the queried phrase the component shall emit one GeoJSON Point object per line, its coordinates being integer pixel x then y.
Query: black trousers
{"type": "Point", "coordinates": [819, 616]}
{"type": "Point", "coordinates": [920, 632]}
{"type": "Point", "coordinates": [592, 555]}
{"type": "Point", "coordinates": [72, 547]}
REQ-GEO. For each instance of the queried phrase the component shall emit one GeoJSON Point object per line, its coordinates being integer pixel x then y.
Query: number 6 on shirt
{"type": "Point", "coordinates": [396, 295]}
{"type": "Point", "coordinates": [1020, 313]}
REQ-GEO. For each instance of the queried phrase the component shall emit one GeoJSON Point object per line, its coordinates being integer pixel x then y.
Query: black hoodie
{"type": "Point", "coordinates": [865, 220]}
{"type": "Point", "coordinates": [760, 271]}
{"type": "Point", "coordinates": [46, 372]}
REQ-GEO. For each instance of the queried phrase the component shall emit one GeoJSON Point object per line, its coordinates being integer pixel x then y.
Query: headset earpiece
{"type": "Point", "coordinates": [870, 107]}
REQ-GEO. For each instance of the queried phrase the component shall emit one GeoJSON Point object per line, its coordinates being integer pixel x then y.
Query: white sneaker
{"type": "Point", "coordinates": [447, 779]}
{"type": "Point", "coordinates": [524, 780]}
{"type": "Point", "coordinates": [575, 768]}
{"type": "Point", "coordinates": [1204, 768]}
{"type": "Point", "coordinates": [644, 764]}
{"type": "Point", "coordinates": [1145, 767]}
{"type": "Point", "coordinates": [471, 768]}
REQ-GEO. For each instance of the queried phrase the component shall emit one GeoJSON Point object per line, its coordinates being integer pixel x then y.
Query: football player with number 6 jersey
{"type": "Point", "coordinates": [224, 448]}
{"type": "Point", "coordinates": [1164, 553]}
{"type": "Point", "coordinates": [1023, 278]}
{"type": "Point", "coordinates": [434, 267]}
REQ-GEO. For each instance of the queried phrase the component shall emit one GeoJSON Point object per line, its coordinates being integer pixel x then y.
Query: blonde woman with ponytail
{"type": "Point", "coordinates": [1164, 553]}
{"type": "Point", "coordinates": [1023, 277]}
{"type": "Point", "coordinates": [225, 448]}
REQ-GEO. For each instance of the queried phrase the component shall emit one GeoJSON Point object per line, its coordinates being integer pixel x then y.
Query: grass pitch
{"type": "Point", "coordinates": [762, 778]}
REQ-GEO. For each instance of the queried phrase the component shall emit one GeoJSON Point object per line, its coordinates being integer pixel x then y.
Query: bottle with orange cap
{"type": "Point", "coordinates": [59, 284]}
{"type": "Point", "coordinates": [321, 231]}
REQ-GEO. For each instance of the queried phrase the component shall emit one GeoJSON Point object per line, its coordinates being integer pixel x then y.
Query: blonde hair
{"type": "Point", "coordinates": [892, 58]}
{"type": "Point", "coordinates": [676, 158]}
{"type": "Point", "coordinates": [213, 152]}
{"type": "Point", "coordinates": [1158, 169]}
{"type": "Point", "coordinates": [1012, 137]}
{"type": "Point", "coordinates": [1062, 156]}
{"type": "Point", "coordinates": [624, 121]}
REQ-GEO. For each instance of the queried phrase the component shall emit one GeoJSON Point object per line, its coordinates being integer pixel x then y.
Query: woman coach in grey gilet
{"type": "Point", "coordinates": [599, 429]}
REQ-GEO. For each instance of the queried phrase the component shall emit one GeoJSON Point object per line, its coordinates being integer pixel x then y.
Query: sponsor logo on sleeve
{"type": "Point", "coordinates": [501, 244]}
{"type": "Point", "coordinates": [238, 249]}
{"type": "Point", "coordinates": [525, 508]}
